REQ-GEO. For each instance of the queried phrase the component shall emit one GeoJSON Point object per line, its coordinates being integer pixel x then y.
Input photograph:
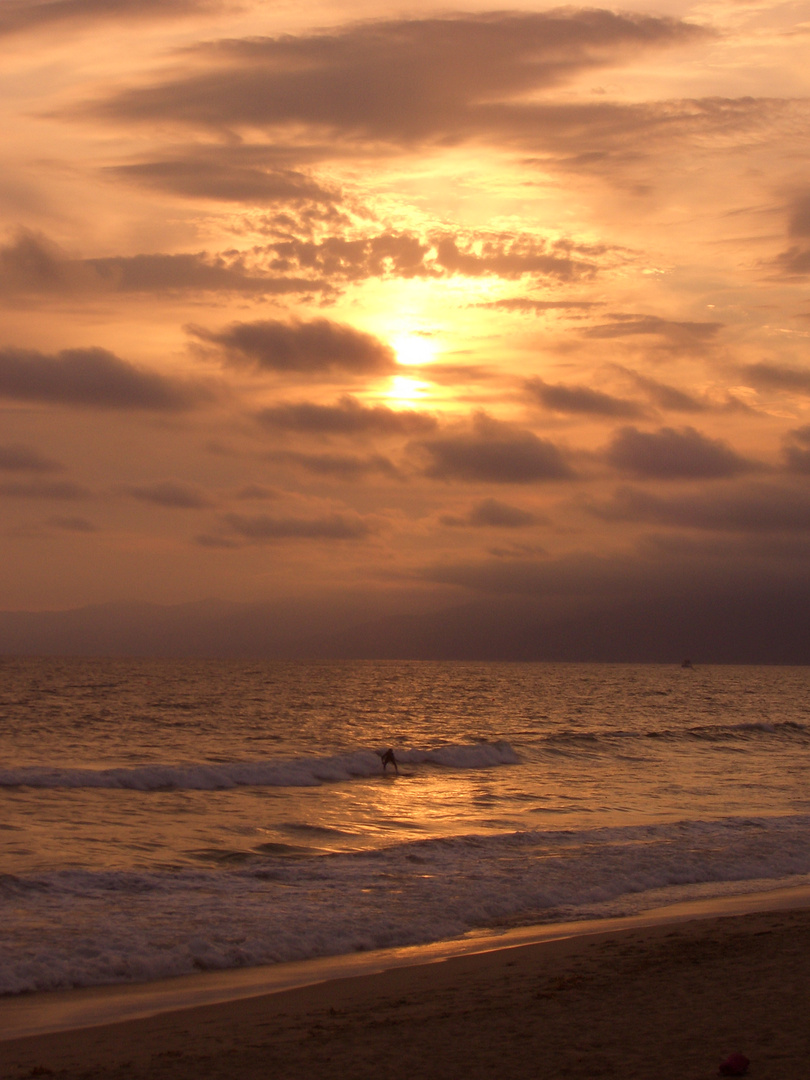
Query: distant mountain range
{"type": "Point", "coordinates": [765, 628]}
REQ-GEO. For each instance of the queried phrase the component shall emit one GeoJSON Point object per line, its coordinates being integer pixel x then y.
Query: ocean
{"type": "Point", "coordinates": [165, 817]}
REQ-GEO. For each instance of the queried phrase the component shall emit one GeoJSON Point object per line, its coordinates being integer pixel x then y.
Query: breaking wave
{"type": "Point", "coordinates": [78, 927]}
{"type": "Point", "coordinates": [298, 772]}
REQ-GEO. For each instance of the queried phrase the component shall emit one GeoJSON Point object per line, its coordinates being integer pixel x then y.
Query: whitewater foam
{"type": "Point", "coordinates": [85, 928]}
{"type": "Point", "coordinates": [298, 772]}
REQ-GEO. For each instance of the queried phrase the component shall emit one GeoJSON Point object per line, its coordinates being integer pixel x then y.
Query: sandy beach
{"type": "Point", "coordinates": [666, 1001]}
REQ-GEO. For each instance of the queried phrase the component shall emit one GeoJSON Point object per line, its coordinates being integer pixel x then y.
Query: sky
{"type": "Point", "coordinates": [381, 311]}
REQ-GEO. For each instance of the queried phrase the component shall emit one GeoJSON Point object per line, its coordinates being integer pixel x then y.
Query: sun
{"type": "Point", "coordinates": [413, 350]}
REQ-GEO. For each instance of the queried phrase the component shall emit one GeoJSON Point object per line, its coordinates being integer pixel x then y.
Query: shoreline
{"type": "Point", "coordinates": [670, 999]}
{"type": "Point", "coordinates": [52, 1013]}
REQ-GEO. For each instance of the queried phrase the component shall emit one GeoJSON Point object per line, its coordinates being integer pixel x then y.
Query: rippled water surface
{"type": "Point", "coordinates": [164, 816]}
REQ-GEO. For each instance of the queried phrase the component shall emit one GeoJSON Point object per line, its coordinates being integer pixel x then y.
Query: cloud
{"type": "Point", "coordinates": [668, 454]}
{"type": "Point", "coordinates": [343, 466]}
{"type": "Point", "coordinates": [538, 307]}
{"type": "Point", "coordinates": [513, 257]}
{"type": "Point", "coordinates": [777, 377]}
{"type": "Point", "coordinates": [225, 180]}
{"type": "Point", "coordinates": [563, 398]}
{"type": "Point", "coordinates": [31, 264]}
{"type": "Point", "coordinates": [18, 16]}
{"type": "Point", "coordinates": [387, 254]}
{"type": "Point", "coordinates": [171, 494]}
{"type": "Point", "coordinates": [192, 272]}
{"type": "Point", "coordinates": [14, 458]}
{"type": "Point", "coordinates": [493, 452]}
{"type": "Point", "coordinates": [674, 332]}
{"type": "Point", "coordinates": [73, 524]}
{"type": "Point", "coordinates": [44, 489]}
{"type": "Point", "coordinates": [668, 397]}
{"type": "Point", "coordinates": [454, 375]}
{"type": "Point", "coordinates": [346, 417]}
{"type": "Point", "coordinates": [795, 262]}
{"type": "Point", "coordinates": [493, 514]}
{"type": "Point", "coordinates": [755, 508]}
{"type": "Point", "coordinates": [399, 81]}
{"type": "Point", "coordinates": [799, 223]}
{"type": "Point", "coordinates": [256, 491]}
{"type": "Point", "coordinates": [797, 458]}
{"type": "Point", "coordinates": [92, 377]}
{"type": "Point", "coordinates": [300, 347]}
{"type": "Point", "coordinates": [265, 529]}
{"type": "Point", "coordinates": [408, 255]}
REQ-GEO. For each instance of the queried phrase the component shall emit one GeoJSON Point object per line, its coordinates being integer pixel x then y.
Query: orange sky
{"type": "Point", "coordinates": [422, 307]}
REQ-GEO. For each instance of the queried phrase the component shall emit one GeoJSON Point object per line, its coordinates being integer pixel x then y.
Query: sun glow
{"type": "Point", "coordinates": [414, 349]}
{"type": "Point", "coordinates": [405, 390]}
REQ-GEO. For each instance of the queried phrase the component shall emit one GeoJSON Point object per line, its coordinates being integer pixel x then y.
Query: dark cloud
{"type": "Point", "coordinates": [801, 435]}
{"type": "Point", "coordinates": [387, 254]}
{"type": "Point", "coordinates": [346, 467]}
{"type": "Point", "coordinates": [563, 398]}
{"type": "Point", "coordinates": [265, 529]}
{"type": "Point", "coordinates": [668, 397]}
{"type": "Point", "coordinates": [225, 180]}
{"type": "Point", "coordinates": [31, 264]}
{"type": "Point", "coordinates": [494, 452]}
{"type": "Point", "coordinates": [676, 333]}
{"type": "Point", "coordinates": [754, 508]}
{"type": "Point", "coordinates": [513, 257]}
{"type": "Point", "coordinates": [92, 377]}
{"type": "Point", "coordinates": [538, 307]}
{"type": "Point", "coordinates": [777, 377]}
{"type": "Point", "coordinates": [44, 489]}
{"type": "Point", "coordinates": [668, 454]}
{"type": "Point", "coordinates": [454, 374]}
{"type": "Point", "coordinates": [301, 347]}
{"type": "Point", "coordinates": [346, 417]}
{"type": "Point", "coordinates": [799, 222]}
{"type": "Point", "coordinates": [399, 81]}
{"type": "Point", "coordinates": [170, 493]}
{"type": "Point", "coordinates": [797, 458]}
{"type": "Point", "coordinates": [18, 16]}
{"type": "Point", "coordinates": [491, 513]}
{"type": "Point", "coordinates": [795, 262]}
{"type": "Point", "coordinates": [14, 458]}
{"type": "Point", "coordinates": [73, 524]}
{"type": "Point", "coordinates": [194, 272]}
{"type": "Point", "coordinates": [407, 255]}
{"type": "Point", "coordinates": [620, 135]}
{"type": "Point", "coordinates": [256, 491]}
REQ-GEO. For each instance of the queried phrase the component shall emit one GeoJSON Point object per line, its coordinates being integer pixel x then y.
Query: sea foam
{"type": "Point", "coordinates": [81, 928]}
{"type": "Point", "coordinates": [297, 772]}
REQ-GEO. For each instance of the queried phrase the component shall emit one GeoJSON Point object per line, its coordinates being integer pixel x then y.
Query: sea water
{"type": "Point", "coordinates": [165, 817]}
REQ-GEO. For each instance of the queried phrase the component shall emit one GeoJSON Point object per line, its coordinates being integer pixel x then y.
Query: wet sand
{"type": "Point", "coordinates": [664, 1001]}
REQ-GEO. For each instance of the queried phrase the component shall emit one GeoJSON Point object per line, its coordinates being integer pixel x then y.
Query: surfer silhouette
{"type": "Point", "coordinates": [389, 759]}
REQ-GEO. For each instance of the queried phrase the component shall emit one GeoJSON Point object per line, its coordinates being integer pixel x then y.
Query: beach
{"type": "Point", "coordinates": [670, 1000]}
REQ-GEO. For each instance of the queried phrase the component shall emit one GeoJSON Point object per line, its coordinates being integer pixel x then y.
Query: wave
{"type": "Point", "coordinates": [298, 772]}
{"type": "Point", "coordinates": [78, 927]}
{"type": "Point", "coordinates": [783, 730]}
